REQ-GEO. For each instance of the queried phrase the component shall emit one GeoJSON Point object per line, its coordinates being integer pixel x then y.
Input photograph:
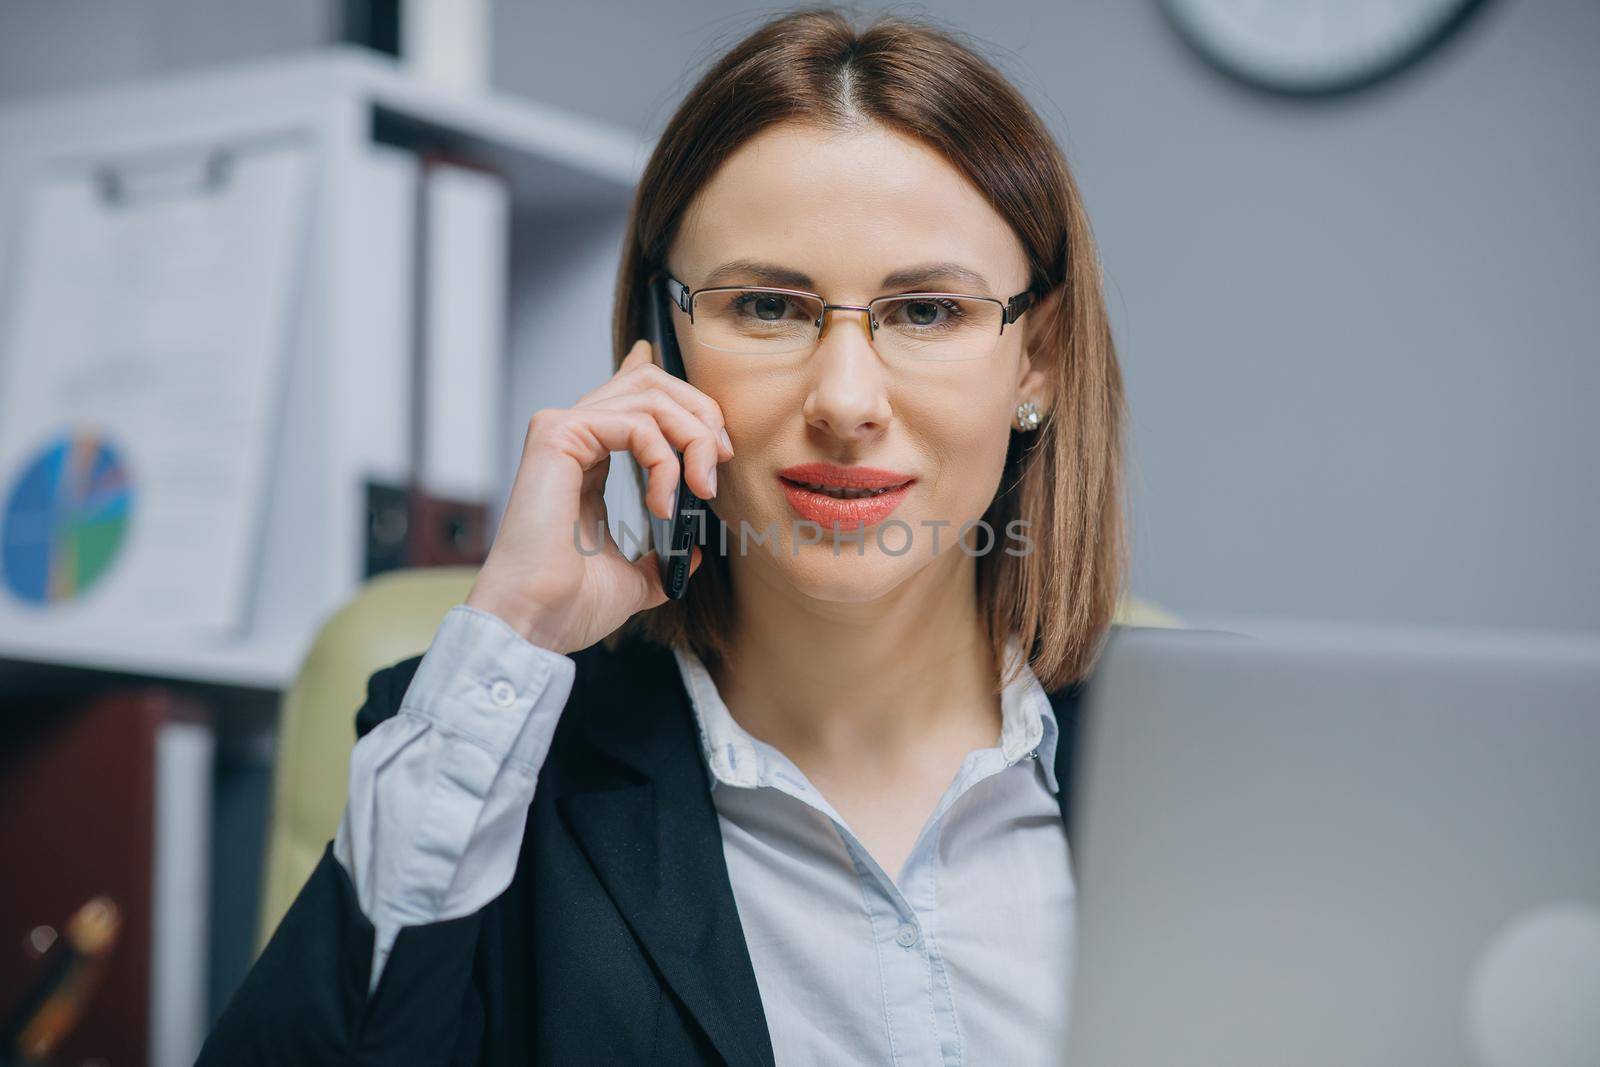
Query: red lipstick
{"type": "Point", "coordinates": [849, 497]}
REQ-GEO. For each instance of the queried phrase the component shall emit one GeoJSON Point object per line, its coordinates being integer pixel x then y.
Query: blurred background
{"type": "Point", "coordinates": [1351, 252]}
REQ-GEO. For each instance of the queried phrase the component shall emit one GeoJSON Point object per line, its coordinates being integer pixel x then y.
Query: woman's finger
{"type": "Point", "coordinates": [648, 566]}
{"type": "Point", "coordinates": [590, 434]}
{"type": "Point", "coordinates": [639, 374]}
{"type": "Point", "coordinates": [637, 356]}
{"type": "Point", "coordinates": [683, 430]}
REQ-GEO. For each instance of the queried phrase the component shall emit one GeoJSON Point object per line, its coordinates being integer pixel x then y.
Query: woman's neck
{"type": "Point", "coordinates": [824, 681]}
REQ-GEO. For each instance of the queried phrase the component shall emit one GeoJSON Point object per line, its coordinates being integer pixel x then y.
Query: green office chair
{"type": "Point", "coordinates": [392, 617]}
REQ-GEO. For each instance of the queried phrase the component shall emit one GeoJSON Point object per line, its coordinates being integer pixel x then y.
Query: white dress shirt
{"type": "Point", "coordinates": [966, 959]}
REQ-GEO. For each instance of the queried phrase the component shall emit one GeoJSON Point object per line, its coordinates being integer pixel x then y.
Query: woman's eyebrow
{"type": "Point", "coordinates": [759, 273]}
{"type": "Point", "coordinates": [906, 279]}
{"type": "Point", "coordinates": [925, 274]}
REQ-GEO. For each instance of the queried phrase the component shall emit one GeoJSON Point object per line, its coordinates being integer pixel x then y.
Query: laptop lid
{"type": "Point", "coordinates": [1338, 850]}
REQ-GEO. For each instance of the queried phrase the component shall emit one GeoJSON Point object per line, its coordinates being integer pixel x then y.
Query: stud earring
{"type": "Point", "coordinates": [1028, 416]}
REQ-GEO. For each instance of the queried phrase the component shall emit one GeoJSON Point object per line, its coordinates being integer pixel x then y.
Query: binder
{"type": "Point", "coordinates": [466, 220]}
{"type": "Point", "coordinates": [110, 793]}
{"type": "Point", "coordinates": [460, 273]}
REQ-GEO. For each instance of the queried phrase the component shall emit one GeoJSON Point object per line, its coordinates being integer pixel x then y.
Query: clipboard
{"type": "Point", "coordinates": [141, 381]}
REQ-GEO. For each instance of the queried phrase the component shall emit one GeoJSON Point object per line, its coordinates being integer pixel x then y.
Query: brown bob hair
{"type": "Point", "coordinates": [811, 65]}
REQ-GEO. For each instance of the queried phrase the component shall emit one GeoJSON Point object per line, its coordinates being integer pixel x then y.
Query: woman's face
{"type": "Point", "coordinates": [844, 210]}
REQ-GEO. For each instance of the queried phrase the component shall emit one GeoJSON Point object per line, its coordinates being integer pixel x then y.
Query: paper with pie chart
{"type": "Point", "coordinates": [139, 386]}
{"type": "Point", "coordinates": [66, 520]}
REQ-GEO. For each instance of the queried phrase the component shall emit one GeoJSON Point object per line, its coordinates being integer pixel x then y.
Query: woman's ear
{"type": "Point", "coordinates": [1036, 371]}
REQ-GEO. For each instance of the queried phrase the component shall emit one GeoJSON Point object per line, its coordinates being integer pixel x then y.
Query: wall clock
{"type": "Point", "coordinates": [1310, 47]}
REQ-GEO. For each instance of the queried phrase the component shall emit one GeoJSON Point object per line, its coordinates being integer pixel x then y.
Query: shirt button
{"type": "Point", "coordinates": [502, 693]}
{"type": "Point", "coordinates": [906, 936]}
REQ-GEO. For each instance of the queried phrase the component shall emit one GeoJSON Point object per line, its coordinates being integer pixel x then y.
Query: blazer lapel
{"type": "Point", "coordinates": [1067, 702]}
{"type": "Point", "coordinates": [650, 830]}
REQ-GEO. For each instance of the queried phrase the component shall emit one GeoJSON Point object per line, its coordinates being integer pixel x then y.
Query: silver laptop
{"type": "Point", "coordinates": [1338, 851]}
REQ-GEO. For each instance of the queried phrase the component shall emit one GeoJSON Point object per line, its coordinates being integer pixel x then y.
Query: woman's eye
{"type": "Point", "coordinates": [764, 306]}
{"type": "Point", "coordinates": [929, 312]}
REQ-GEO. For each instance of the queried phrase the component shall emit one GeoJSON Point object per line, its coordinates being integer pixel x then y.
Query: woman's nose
{"type": "Point", "coordinates": [848, 397]}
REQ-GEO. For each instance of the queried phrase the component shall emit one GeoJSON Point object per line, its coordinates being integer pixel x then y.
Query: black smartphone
{"type": "Point", "coordinates": [674, 540]}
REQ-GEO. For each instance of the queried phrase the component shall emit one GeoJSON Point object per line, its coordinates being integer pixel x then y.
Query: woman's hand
{"type": "Point", "coordinates": [535, 577]}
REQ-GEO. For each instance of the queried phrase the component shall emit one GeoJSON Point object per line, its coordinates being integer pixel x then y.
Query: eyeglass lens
{"type": "Point", "coordinates": [769, 322]}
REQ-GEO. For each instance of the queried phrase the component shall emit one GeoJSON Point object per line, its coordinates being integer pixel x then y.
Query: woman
{"type": "Point", "coordinates": [814, 811]}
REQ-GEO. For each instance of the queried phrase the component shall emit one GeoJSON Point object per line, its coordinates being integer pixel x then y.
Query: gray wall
{"type": "Point", "coordinates": [61, 45]}
{"type": "Point", "coordinates": [1358, 334]}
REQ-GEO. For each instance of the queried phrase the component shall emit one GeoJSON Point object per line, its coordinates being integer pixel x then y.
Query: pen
{"type": "Point", "coordinates": [59, 1000]}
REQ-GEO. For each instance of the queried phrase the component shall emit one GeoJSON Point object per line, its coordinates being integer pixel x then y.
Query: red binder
{"type": "Point", "coordinates": [77, 819]}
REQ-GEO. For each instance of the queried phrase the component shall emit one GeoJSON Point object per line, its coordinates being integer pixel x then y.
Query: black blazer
{"type": "Point", "coordinates": [618, 940]}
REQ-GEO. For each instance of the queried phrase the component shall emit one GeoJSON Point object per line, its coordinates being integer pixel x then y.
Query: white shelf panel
{"type": "Point", "coordinates": [571, 179]}
{"type": "Point", "coordinates": [258, 663]}
{"type": "Point", "coordinates": [586, 147]}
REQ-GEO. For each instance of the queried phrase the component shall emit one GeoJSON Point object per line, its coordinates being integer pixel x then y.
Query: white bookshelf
{"type": "Point", "coordinates": [571, 181]}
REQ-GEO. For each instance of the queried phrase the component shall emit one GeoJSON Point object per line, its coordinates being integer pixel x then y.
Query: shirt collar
{"type": "Point", "coordinates": [736, 758]}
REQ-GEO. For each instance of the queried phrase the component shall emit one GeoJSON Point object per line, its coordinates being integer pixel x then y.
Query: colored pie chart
{"type": "Point", "coordinates": [65, 519]}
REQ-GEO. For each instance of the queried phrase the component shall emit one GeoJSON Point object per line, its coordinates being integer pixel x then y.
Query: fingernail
{"type": "Point", "coordinates": [711, 476]}
{"type": "Point", "coordinates": [673, 510]}
{"type": "Point", "coordinates": [727, 442]}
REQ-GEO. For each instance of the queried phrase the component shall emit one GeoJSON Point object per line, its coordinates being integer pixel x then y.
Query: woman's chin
{"type": "Point", "coordinates": [845, 576]}
{"type": "Point", "coordinates": [852, 568]}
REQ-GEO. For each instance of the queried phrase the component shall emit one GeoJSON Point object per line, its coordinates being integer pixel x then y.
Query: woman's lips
{"type": "Point", "coordinates": [836, 477]}
{"type": "Point", "coordinates": [847, 513]}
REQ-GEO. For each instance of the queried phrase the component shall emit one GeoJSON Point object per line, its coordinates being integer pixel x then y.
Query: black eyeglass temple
{"type": "Point", "coordinates": [677, 292]}
{"type": "Point", "coordinates": [1017, 305]}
